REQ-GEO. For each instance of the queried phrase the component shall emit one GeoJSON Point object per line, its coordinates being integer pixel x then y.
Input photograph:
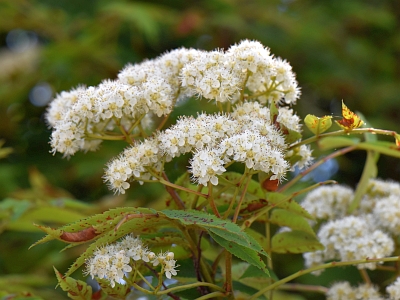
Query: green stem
{"type": "Point", "coordinates": [314, 166]}
{"type": "Point", "coordinates": [344, 132]}
{"type": "Point", "coordinates": [136, 123]}
{"type": "Point", "coordinates": [321, 267]}
{"type": "Point", "coordinates": [266, 209]}
{"type": "Point", "coordinates": [237, 210]}
{"type": "Point", "coordinates": [123, 131]}
{"type": "Point", "coordinates": [211, 200]}
{"type": "Point", "coordinates": [268, 241]}
{"type": "Point", "coordinates": [145, 281]}
{"type": "Point", "coordinates": [105, 137]}
{"type": "Point", "coordinates": [237, 189]}
{"type": "Point", "coordinates": [211, 295]}
{"type": "Point", "coordinates": [304, 288]}
{"type": "Point", "coordinates": [178, 187]}
{"type": "Point", "coordinates": [365, 276]}
{"type": "Point", "coordinates": [190, 286]}
{"type": "Point", "coordinates": [190, 236]}
{"type": "Point", "coordinates": [228, 272]}
{"type": "Point", "coordinates": [196, 197]}
{"type": "Point", "coordinates": [164, 120]}
{"type": "Point", "coordinates": [369, 171]}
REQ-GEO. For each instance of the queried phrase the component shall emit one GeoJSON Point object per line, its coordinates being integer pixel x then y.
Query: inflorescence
{"type": "Point", "coordinates": [116, 262]}
{"type": "Point", "coordinates": [246, 76]}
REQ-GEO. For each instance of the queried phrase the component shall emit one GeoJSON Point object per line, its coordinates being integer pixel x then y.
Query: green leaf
{"type": "Point", "coordinates": [254, 188]}
{"type": "Point", "coordinates": [252, 271]}
{"type": "Point", "coordinates": [292, 135]}
{"type": "Point", "coordinates": [15, 207]}
{"type": "Point", "coordinates": [295, 242]}
{"type": "Point", "coordinates": [223, 228]}
{"type": "Point", "coordinates": [244, 253]}
{"type": "Point", "coordinates": [333, 142]}
{"type": "Point", "coordinates": [287, 203]}
{"type": "Point", "coordinates": [370, 171]}
{"type": "Point", "coordinates": [283, 218]}
{"type": "Point", "coordinates": [135, 225]}
{"type": "Point", "coordinates": [119, 291]}
{"type": "Point", "coordinates": [318, 125]}
{"type": "Point", "coordinates": [386, 148]}
{"type": "Point", "coordinates": [245, 290]}
{"type": "Point", "coordinates": [77, 289]}
{"type": "Point", "coordinates": [78, 232]}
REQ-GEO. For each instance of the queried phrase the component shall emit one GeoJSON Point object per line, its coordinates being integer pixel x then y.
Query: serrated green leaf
{"type": "Point", "coordinates": [244, 253]}
{"type": "Point", "coordinates": [76, 289]}
{"type": "Point", "coordinates": [295, 242]}
{"type": "Point", "coordinates": [286, 218]}
{"type": "Point", "coordinates": [98, 224]}
{"type": "Point", "coordinates": [333, 142]}
{"type": "Point", "coordinates": [240, 238]}
{"type": "Point", "coordinates": [119, 291]}
{"type": "Point", "coordinates": [225, 229]}
{"type": "Point", "coordinates": [135, 225]}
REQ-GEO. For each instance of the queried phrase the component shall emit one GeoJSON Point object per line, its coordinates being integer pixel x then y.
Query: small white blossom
{"type": "Point", "coordinates": [344, 291]}
{"type": "Point", "coordinates": [387, 213]}
{"type": "Point", "coordinates": [206, 165]}
{"type": "Point", "coordinates": [113, 262]}
{"type": "Point", "coordinates": [352, 238]}
{"type": "Point", "coordinates": [328, 202]}
{"type": "Point", "coordinates": [394, 290]}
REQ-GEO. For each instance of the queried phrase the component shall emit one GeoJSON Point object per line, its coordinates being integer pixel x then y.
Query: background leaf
{"type": "Point", "coordinates": [295, 242]}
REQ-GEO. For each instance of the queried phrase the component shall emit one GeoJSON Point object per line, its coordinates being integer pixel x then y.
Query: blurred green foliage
{"type": "Point", "coordinates": [339, 49]}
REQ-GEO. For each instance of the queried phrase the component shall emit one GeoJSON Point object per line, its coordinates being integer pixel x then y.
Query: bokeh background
{"type": "Point", "coordinates": [339, 50]}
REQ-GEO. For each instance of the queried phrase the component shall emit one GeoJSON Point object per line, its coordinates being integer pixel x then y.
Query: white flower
{"type": "Point", "coordinates": [352, 238]}
{"type": "Point", "coordinates": [328, 202]}
{"type": "Point", "coordinates": [169, 268]}
{"type": "Point", "coordinates": [387, 213]}
{"type": "Point", "coordinates": [256, 152]}
{"type": "Point", "coordinates": [213, 76]}
{"type": "Point", "coordinates": [288, 119]}
{"type": "Point", "coordinates": [343, 291]}
{"type": "Point", "coordinates": [61, 104]}
{"type": "Point", "coordinates": [206, 165]}
{"type": "Point", "coordinates": [133, 163]}
{"type": "Point", "coordinates": [394, 290]}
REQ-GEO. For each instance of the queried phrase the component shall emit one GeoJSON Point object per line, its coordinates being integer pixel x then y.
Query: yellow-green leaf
{"type": "Point", "coordinates": [318, 125]}
{"type": "Point", "coordinates": [284, 218]}
{"type": "Point", "coordinates": [76, 289]}
{"type": "Point", "coordinates": [295, 242]}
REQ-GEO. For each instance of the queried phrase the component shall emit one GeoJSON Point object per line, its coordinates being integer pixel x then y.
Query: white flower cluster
{"type": "Point", "coordinates": [350, 238]}
{"type": "Point", "coordinates": [394, 290]}
{"type": "Point", "coordinates": [80, 117]}
{"type": "Point", "coordinates": [113, 262]}
{"type": "Point", "coordinates": [367, 234]}
{"type": "Point", "coordinates": [344, 291]}
{"type": "Point", "coordinates": [221, 76]}
{"type": "Point", "coordinates": [246, 135]}
{"type": "Point", "coordinates": [141, 90]}
{"type": "Point", "coordinates": [328, 202]}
